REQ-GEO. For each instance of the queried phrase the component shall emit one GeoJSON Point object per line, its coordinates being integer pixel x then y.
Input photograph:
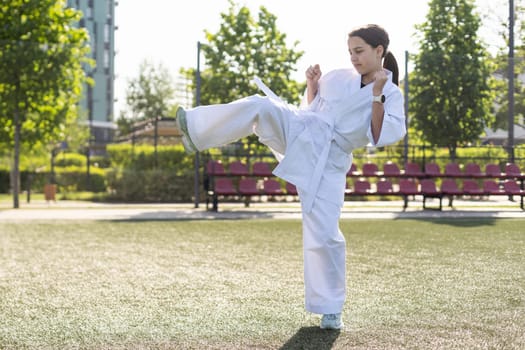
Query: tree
{"type": "Point", "coordinates": [243, 48]}
{"type": "Point", "coordinates": [450, 87]}
{"type": "Point", "coordinates": [41, 75]}
{"type": "Point", "coordinates": [150, 95]}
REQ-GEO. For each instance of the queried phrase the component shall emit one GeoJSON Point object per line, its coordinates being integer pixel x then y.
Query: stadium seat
{"type": "Point", "coordinates": [471, 188]}
{"type": "Point", "coordinates": [450, 189]}
{"type": "Point", "coordinates": [491, 187]}
{"type": "Point", "coordinates": [352, 171]}
{"type": "Point", "coordinates": [248, 187]}
{"type": "Point", "coordinates": [272, 187]}
{"type": "Point", "coordinates": [261, 169]}
{"type": "Point", "coordinates": [429, 189]}
{"type": "Point", "coordinates": [512, 170]}
{"type": "Point", "coordinates": [238, 168]}
{"type": "Point", "coordinates": [391, 169]}
{"type": "Point", "coordinates": [407, 187]}
{"type": "Point", "coordinates": [370, 169]}
{"type": "Point", "coordinates": [493, 170]}
{"type": "Point", "coordinates": [512, 188]}
{"type": "Point", "coordinates": [291, 189]}
{"type": "Point", "coordinates": [453, 170]}
{"type": "Point", "coordinates": [413, 170]}
{"type": "Point", "coordinates": [432, 170]}
{"type": "Point", "coordinates": [215, 168]}
{"type": "Point", "coordinates": [361, 187]}
{"type": "Point", "coordinates": [384, 187]}
{"type": "Point", "coordinates": [473, 170]}
{"type": "Point", "coordinates": [224, 187]}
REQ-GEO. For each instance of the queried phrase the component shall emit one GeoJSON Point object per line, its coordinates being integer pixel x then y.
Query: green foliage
{"type": "Point", "coordinates": [450, 88]}
{"type": "Point", "coordinates": [42, 53]}
{"type": "Point", "coordinates": [142, 157]}
{"type": "Point", "coordinates": [74, 178]}
{"type": "Point", "coordinates": [135, 178]}
{"type": "Point", "coordinates": [70, 159]}
{"type": "Point", "coordinates": [150, 186]}
{"type": "Point", "coordinates": [242, 48]}
{"type": "Point", "coordinates": [41, 73]}
{"type": "Point", "coordinates": [151, 94]}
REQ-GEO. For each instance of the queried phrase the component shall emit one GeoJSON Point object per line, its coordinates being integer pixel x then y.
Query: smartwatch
{"type": "Point", "coordinates": [379, 99]}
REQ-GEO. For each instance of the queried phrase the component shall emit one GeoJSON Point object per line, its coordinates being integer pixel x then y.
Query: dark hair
{"type": "Point", "coordinates": [374, 36]}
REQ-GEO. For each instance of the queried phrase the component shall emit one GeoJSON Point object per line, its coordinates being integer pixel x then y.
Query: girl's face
{"type": "Point", "coordinates": [364, 57]}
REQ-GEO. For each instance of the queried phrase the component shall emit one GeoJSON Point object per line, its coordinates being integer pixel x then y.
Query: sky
{"type": "Point", "coordinates": [167, 31]}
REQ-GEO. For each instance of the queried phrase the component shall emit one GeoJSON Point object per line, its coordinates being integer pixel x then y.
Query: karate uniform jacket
{"type": "Point", "coordinates": [318, 151]}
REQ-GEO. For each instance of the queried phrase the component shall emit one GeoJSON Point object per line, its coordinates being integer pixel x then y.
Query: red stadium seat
{"type": "Point", "coordinates": [407, 187]}
{"type": "Point", "coordinates": [384, 187]}
{"type": "Point", "coordinates": [512, 188]}
{"type": "Point", "coordinates": [272, 187]}
{"type": "Point", "coordinates": [413, 170]}
{"type": "Point", "coordinates": [261, 169]}
{"type": "Point", "coordinates": [391, 169]}
{"type": "Point", "coordinates": [450, 188]}
{"type": "Point", "coordinates": [361, 187]}
{"type": "Point", "coordinates": [215, 168]}
{"type": "Point", "coordinates": [491, 187]}
{"type": "Point", "coordinates": [471, 188]}
{"type": "Point", "coordinates": [291, 189]}
{"type": "Point", "coordinates": [248, 187]}
{"type": "Point", "coordinates": [224, 187]}
{"type": "Point", "coordinates": [370, 169]}
{"type": "Point", "coordinates": [453, 170]}
{"type": "Point", "coordinates": [352, 171]}
{"type": "Point", "coordinates": [493, 170]}
{"type": "Point", "coordinates": [429, 189]}
{"type": "Point", "coordinates": [432, 170]}
{"type": "Point", "coordinates": [473, 170]}
{"type": "Point", "coordinates": [238, 168]}
{"type": "Point", "coordinates": [512, 170]}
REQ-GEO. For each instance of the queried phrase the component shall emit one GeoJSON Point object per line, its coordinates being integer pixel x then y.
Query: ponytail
{"type": "Point", "coordinates": [390, 63]}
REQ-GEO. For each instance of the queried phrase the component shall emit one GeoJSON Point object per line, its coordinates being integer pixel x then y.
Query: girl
{"type": "Point", "coordinates": [342, 110]}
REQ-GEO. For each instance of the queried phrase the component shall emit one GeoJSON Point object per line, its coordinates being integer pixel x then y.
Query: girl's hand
{"type": "Point", "coordinates": [313, 74]}
{"type": "Point", "coordinates": [380, 79]}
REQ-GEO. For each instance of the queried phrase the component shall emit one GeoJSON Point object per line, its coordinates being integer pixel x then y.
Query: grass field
{"type": "Point", "coordinates": [412, 284]}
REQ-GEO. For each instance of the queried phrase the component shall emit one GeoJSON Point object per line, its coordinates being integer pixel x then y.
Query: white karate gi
{"type": "Point", "coordinates": [314, 144]}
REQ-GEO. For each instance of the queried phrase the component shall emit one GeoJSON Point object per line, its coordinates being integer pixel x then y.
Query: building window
{"type": "Point", "coordinates": [106, 59]}
{"type": "Point", "coordinates": [107, 33]}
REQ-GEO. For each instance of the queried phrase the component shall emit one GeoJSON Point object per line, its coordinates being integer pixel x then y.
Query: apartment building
{"type": "Point", "coordinates": [98, 100]}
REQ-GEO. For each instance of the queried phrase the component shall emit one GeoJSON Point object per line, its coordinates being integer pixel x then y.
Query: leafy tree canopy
{"type": "Point", "coordinates": [450, 85]}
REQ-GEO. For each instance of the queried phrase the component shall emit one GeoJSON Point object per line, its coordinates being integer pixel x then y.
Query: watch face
{"type": "Point", "coordinates": [382, 98]}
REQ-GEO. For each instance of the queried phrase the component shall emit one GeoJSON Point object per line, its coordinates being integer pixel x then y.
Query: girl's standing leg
{"type": "Point", "coordinates": [324, 259]}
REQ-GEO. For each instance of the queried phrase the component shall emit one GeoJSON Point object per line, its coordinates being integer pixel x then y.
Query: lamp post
{"type": "Point", "coordinates": [511, 82]}
{"type": "Point", "coordinates": [405, 151]}
{"type": "Point", "coordinates": [197, 102]}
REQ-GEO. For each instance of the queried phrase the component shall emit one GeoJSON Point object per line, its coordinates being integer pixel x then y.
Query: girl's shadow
{"type": "Point", "coordinates": [312, 338]}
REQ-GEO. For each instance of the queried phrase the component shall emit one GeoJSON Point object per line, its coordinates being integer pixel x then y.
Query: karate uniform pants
{"type": "Point", "coordinates": [324, 246]}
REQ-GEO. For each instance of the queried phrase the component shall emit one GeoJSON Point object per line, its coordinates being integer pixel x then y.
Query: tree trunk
{"type": "Point", "coordinates": [16, 162]}
{"type": "Point", "coordinates": [452, 152]}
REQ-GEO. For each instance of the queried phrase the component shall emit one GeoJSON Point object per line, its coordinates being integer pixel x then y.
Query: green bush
{"type": "Point", "coordinates": [70, 159]}
{"type": "Point", "coordinates": [150, 186]}
{"type": "Point", "coordinates": [76, 179]}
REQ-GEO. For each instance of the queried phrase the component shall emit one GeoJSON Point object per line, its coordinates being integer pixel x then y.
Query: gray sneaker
{"type": "Point", "coordinates": [332, 321]}
{"type": "Point", "coordinates": [180, 121]}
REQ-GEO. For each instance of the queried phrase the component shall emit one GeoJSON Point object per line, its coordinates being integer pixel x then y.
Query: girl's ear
{"type": "Point", "coordinates": [380, 51]}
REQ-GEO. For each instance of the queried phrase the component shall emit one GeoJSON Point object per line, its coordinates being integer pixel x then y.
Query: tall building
{"type": "Point", "coordinates": [98, 100]}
